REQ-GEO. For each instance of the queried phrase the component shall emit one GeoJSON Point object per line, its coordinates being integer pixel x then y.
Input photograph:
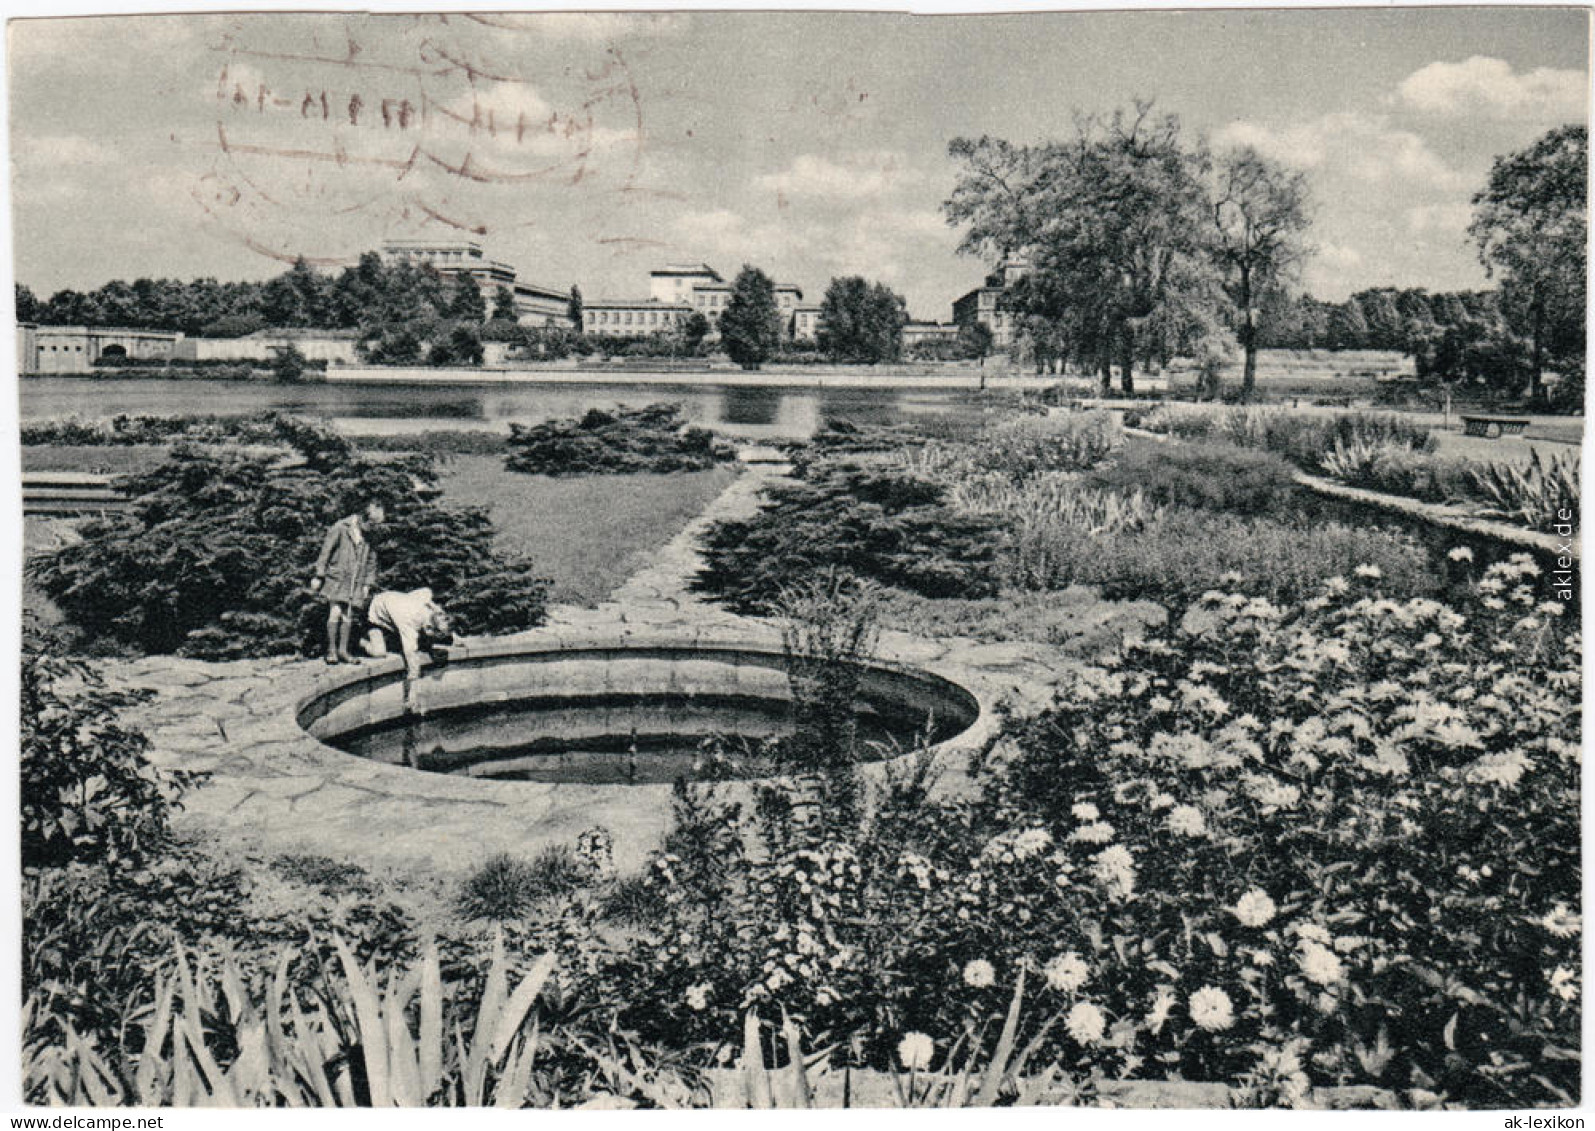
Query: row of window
{"type": "Point", "coordinates": [644, 317]}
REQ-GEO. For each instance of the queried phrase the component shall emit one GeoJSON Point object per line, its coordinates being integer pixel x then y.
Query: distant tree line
{"type": "Point", "coordinates": [405, 313]}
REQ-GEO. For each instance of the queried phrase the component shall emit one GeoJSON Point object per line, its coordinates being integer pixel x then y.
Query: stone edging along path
{"type": "Point", "coordinates": [275, 789]}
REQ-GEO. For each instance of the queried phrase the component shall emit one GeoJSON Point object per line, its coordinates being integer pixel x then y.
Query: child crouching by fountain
{"type": "Point", "coordinates": [415, 619]}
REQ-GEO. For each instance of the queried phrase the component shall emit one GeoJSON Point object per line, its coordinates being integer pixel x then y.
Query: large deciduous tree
{"type": "Point", "coordinates": [860, 321]}
{"type": "Point", "coordinates": [1259, 218]}
{"type": "Point", "coordinates": [1117, 227]}
{"type": "Point", "coordinates": [750, 328]}
{"type": "Point", "coordinates": [1531, 228]}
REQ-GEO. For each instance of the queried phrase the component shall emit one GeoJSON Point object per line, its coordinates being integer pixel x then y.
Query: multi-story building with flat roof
{"type": "Point", "coordinates": [536, 304]}
{"type": "Point", "coordinates": [675, 291]}
{"type": "Point", "coordinates": [984, 304]}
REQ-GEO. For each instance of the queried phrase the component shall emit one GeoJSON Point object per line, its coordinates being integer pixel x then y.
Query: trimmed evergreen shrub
{"type": "Point", "coordinates": [214, 554]}
{"type": "Point", "coordinates": [616, 442]}
{"type": "Point", "coordinates": [875, 522]}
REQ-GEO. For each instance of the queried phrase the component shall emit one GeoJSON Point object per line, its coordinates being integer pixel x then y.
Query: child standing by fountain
{"type": "Point", "coordinates": [345, 571]}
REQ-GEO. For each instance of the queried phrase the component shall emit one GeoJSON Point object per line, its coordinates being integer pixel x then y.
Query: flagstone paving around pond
{"type": "Point", "coordinates": [273, 789]}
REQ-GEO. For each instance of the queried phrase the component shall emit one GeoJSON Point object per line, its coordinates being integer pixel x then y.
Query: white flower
{"type": "Point", "coordinates": [1504, 768]}
{"type": "Point", "coordinates": [915, 1050]}
{"type": "Point", "coordinates": [1031, 842]}
{"type": "Point", "coordinates": [1211, 1009]}
{"type": "Point", "coordinates": [1114, 868]}
{"type": "Point", "coordinates": [979, 974]}
{"type": "Point", "coordinates": [1187, 820]}
{"type": "Point", "coordinates": [1085, 811]}
{"type": "Point", "coordinates": [1320, 964]}
{"type": "Point", "coordinates": [1461, 554]}
{"type": "Point", "coordinates": [1255, 908]}
{"type": "Point", "coordinates": [1086, 1023]}
{"type": "Point", "coordinates": [1160, 1011]}
{"type": "Point", "coordinates": [1336, 586]}
{"type": "Point", "coordinates": [1162, 801]}
{"type": "Point", "coordinates": [1099, 833]}
{"type": "Point", "coordinates": [1067, 973]}
{"type": "Point", "coordinates": [1314, 932]}
{"type": "Point", "coordinates": [1271, 793]}
{"type": "Point", "coordinates": [1564, 983]}
{"type": "Point", "coordinates": [1561, 922]}
{"type": "Point", "coordinates": [698, 995]}
{"type": "Point", "coordinates": [1191, 750]}
{"type": "Point", "coordinates": [1370, 572]}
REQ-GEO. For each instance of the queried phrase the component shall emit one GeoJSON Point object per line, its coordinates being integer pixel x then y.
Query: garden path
{"type": "Point", "coordinates": [275, 789]}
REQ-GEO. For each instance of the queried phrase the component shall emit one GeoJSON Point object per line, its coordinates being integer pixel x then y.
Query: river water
{"type": "Point", "coordinates": [755, 413]}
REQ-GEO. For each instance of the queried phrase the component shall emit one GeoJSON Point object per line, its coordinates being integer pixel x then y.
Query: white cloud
{"type": "Point", "coordinates": [855, 177]}
{"type": "Point", "coordinates": [1439, 219]}
{"type": "Point", "coordinates": [1365, 147]}
{"type": "Point", "coordinates": [1334, 271]}
{"type": "Point", "coordinates": [876, 243]}
{"type": "Point", "coordinates": [1487, 86]}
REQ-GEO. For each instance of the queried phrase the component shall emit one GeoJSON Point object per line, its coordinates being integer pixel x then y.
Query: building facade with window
{"type": "Point", "coordinates": [805, 322]}
{"type": "Point", "coordinates": [984, 304]}
{"type": "Point", "coordinates": [632, 318]}
{"type": "Point", "coordinates": [676, 291]}
{"type": "Point", "coordinates": [536, 304]}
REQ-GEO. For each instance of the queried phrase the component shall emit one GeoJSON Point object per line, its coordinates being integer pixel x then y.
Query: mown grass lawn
{"type": "Point", "coordinates": [586, 534]}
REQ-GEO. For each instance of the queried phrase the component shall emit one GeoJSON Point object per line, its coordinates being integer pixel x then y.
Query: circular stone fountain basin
{"type": "Point", "coordinates": [611, 713]}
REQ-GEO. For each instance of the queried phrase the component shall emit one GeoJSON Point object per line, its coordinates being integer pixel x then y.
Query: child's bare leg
{"type": "Point", "coordinates": [343, 637]}
{"type": "Point", "coordinates": [336, 618]}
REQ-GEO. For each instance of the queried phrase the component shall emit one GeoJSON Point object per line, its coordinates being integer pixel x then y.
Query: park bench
{"type": "Point", "coordinates": [1493, 427]}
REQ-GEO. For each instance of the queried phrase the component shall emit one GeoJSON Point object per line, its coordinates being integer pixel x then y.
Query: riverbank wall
{"type": "Point", "coordinates": [794, 377]}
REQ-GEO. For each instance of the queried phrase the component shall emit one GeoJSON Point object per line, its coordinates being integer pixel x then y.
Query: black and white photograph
{"type": "Point", "coordinates": [768, 560]}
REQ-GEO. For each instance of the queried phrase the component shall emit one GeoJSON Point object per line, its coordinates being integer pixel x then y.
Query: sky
{"type": "Point", "coordinates": [588, 149]}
